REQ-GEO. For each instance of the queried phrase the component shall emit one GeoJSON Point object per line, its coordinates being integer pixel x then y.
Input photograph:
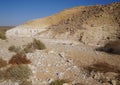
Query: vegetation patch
{"type": "Point", "coordinates": [36, 44]}
{"type": "Point", "coordinates": [18, 59]}
{"type": "Point", "coordinates": [3, 30]}
{"type": "Point", "coordinates": [3, 63]}
{"type": "Point", "coordinates": [14, 48]}
{"type": "Point", "coordinates": [2, 35]}
{"type": "Point", "coordinates": [16, 69]}
{"type": "Point", "coordinates": [58, 82]}
{"type": "Point", "coordinates": [29, 48]}
{"type": "Point", "coordinates": [18, 72]}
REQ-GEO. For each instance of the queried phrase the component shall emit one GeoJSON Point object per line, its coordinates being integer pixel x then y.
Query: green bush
{"type": "Point", "coordinates": [58, 82]}
{"type": "Point", "coordinates": [38, 45]}
{"type": "Point", "coordinates": [14, 48]}
{"type": "Point", "coordinates": [18, 72]}
{"type": "Point", "coordinates": [2, 35]}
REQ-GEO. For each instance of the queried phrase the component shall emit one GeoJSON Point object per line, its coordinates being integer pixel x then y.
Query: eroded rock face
{"type": "Point", "coordinates": [100, 30]}
{"type": "Point", "coordinates": [112, 47]}
{"type": "Point", "coordinates": [23, 31]}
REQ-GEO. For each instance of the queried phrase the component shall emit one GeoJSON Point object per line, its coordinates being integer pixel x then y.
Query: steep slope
{"type": "Point", "coordinates": [91, 25]}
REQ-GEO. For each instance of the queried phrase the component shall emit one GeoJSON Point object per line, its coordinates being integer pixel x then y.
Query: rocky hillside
{"type": "Point", "coordinates": [94, 25]}
{"type": "Point", "coordinates": [64, 48]}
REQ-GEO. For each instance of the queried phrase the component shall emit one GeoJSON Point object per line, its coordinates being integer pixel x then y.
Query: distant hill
{"type": "Point", "coordinates": [94, 25]}
{"type": "Point", "coordinates": [6, 27]}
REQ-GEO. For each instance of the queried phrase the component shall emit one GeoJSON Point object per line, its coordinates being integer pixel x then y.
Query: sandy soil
{"type": "Point", "coordinates": [63, 59]}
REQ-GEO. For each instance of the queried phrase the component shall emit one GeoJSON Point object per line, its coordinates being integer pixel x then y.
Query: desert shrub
{"type": "Point", "coordinates": [18, 59]}
{"type": "Point", "coordinates": [14, 48]}
{"type": "Point", "coordinates": [58, 82]}
{"type": "Point", "coordinates": [3, 63]}
{"type": "Point", "coordinates": [38, 44]}
{"type": "Point", "coordinates": [18, 72]}
{"type": "Point", "coordinates": [25, 82]}
{"type": "Point", "coordinates": [29, 48]}
{"type": "Point", "coordinates": [2, 35]}
{"type": "Point", "coordinates": [102, 67]}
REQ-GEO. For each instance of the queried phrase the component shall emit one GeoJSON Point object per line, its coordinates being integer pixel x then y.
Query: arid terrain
{"type": "Point", "coordinates": [78, 46]}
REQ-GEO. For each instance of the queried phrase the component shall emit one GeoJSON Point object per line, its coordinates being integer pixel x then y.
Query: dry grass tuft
{"type": "Point", "coordinates": [18, 59]}
{"type": "Point", "coordinates": [14, 48]}
{"type": "Point", "coordinates": [38, 45]}
{"type": "Point", "coordinates": [18, 72]}
{"type": "Point", "coordinates": [58, 82]}
{"type": "Point", "coordinates": [2, 34]}
{"type": "Point", "coordinates": [29, 48]}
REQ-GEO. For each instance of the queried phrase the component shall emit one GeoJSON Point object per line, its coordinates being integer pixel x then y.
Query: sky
{"type": "Point", "coordinates": [15, 12]}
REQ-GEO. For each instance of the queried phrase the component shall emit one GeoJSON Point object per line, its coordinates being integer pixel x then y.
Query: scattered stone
{"type": "Point", "coordinates": [49, 65]}
{"type": "Point", "coordinates": [111, 75]}
{"type": "Point", "coordinates": [51, 51]}
{"type": "Point", "coordinates": [106, 84]}
{"type": "Point", "coordinates": [62, 55]}
{"type": "Point", "coordinates": [101, 81]}
{"type": "Point", "coordinates": [60, 75]}
{"type": "Point", "coordinates": [114, 82]}
{"type": "Point", "coordinates": [50, 80]}
{"type": "Point", "coordinates": [44, 82]}
{"type": "Point", "coordinates": [16, 83]}
{"type": "Point", "coordinates": [65, 84]}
